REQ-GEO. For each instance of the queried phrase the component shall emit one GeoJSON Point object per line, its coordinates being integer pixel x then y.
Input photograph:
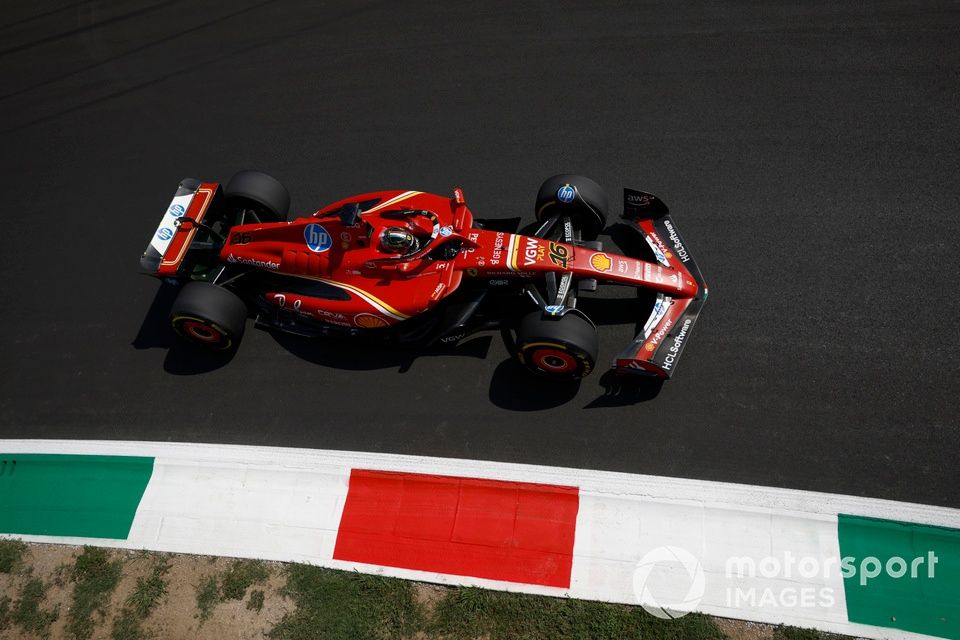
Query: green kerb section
{"type": "Point", "coordinates": [926, 598]}
{"type": "Point", "coordinates": [71, 495]}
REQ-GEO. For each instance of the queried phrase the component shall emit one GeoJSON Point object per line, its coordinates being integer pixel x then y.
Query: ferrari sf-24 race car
{"type": "Point", "coordinates": [418, 267]}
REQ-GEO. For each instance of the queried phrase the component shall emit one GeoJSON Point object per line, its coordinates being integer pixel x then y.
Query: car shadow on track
{"type": "Point", "coordinates": [511, 386]}
{"type": "Point", "coordinates": [182, 359]}
{"type": "Point", "coordinates": [353, 354]}
{"type": "Point", "coordinates": [623, 391]}
{"type": "Point", "coordinates": [514, 388]}
{"type": "Point", "coordinates": [359, 354]}
{"type": "Point", "coordinates": [155, 329]}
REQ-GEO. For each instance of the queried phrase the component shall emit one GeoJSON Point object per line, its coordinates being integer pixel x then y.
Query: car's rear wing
{"type": "Point", "coordinates": [183, 217]}
{"type": "Point", "coordinates": [657, 347]}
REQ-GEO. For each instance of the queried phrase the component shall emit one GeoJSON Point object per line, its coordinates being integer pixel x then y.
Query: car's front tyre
{"type": "Point", "coordinates": [577, 197]}
{"type": "Point", "coordinates": [563, 348]}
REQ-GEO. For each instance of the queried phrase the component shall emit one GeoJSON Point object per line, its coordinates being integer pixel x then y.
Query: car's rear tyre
{"type": "Point", "coordinates": [580, 198]}
{"type": "Point", "coordinates": [208, 315]}
{"type": "Point", "coordinates": [564, 348]}
{"type": "Point", "coordinates": [261, 192]}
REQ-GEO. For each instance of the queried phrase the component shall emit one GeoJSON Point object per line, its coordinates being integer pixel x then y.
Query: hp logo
{"type": "Point", "coordinates": [317, 238]}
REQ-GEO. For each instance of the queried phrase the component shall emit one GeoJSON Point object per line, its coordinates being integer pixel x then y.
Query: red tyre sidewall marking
{"type": "Point", "coordinates": [541, 359]}
{"type": "Point", "coordinates": [201, 331]}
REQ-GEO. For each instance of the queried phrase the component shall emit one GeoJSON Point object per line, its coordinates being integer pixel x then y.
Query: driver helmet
{"type": "Point", "coordinates": [398, 240]}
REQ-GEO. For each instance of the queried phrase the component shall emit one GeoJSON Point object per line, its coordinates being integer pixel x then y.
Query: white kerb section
{"type": "Point", "coordinates": [271, 509]}
{"type": "Point", "coordinates": [743, 553]}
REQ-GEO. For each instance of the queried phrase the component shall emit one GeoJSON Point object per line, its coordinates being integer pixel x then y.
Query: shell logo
{"type": "Point", "coordinates": [650, 347]}
{"type": "Point", "coordinates": [369, 321]}
{"type": "Point", "coordinates": [601, 262]}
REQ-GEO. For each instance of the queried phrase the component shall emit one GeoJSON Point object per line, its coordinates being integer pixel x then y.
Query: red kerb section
{"type": "Point", "coordinates": [512, 531]}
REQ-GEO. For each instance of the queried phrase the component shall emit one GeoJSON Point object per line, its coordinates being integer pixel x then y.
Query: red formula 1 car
{"type": "Point", "coordinates": [418, 267]}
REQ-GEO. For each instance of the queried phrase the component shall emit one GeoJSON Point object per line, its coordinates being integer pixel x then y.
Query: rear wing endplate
{"type": "Point", "coordinates": [657, 347]}
{"type": "Point", "coordinates": [170, 241]}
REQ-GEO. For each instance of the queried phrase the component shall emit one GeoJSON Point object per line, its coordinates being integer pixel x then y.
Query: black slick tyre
{"type": "Point", "coordinates": [208, 315]}
{"type": "Point", "coordinates": [561, 348]}
{"type": "Point", "coordinates": [261, 192]}
{"type": "Point", "coordinates": [579, 197]}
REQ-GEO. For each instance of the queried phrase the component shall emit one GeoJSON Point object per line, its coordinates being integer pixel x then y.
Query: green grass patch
{"type": "Point", "coordinates": [95, 577]}
{"type": "Point", "coordinates": [62, 574]}
{"type": "Point", "coordinates": [28, 615]}
{"type": "Point", "coordinates": [11, 551]}
{"type": "Point", "coordinates": [128, 625]}
{"type": "Point", "coordinates": [255, 603]}
{"type": "Point", "coordinates": [231, 584]}
{"type": "Point", "coordinates": [149, 590]}
{"type": "Point", "coordinates": [5, 618]}
{"type": "Point", "coordinates": [352, 606]}
{"type": "Point", "coordinates": [796, 633]}
{"type": "Point", "coordinates": [468, 612]}
{"type": "Point", "coordinates": [340, 605]}
{"type": "Point", "coordinates": [208, 595]}
{"type": "Point", "coordinates": [240, 576]}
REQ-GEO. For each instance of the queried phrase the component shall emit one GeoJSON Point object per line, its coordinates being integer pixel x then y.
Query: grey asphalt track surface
{"type": "Point", "coordinates": [808, 151]}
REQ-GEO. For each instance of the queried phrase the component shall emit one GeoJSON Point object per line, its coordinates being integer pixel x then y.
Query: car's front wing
{"type": "Point", "coordinates": [657, 347]}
